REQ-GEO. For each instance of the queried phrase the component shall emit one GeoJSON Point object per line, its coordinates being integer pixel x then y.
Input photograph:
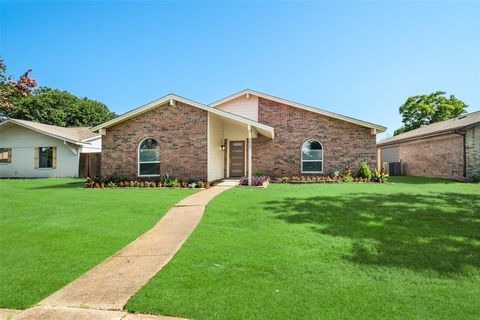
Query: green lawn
{"type": "Point", "coordinates": [54, 230]}
{"type": "Point", "coordinates": [405, 250]}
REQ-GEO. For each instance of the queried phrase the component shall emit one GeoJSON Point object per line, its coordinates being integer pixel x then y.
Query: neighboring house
{"type": "Point", "coordinates": [447, 149]}
{"type": "Point", "coordinates": [32, 149]}
{"type": "Point", "coordinates": [233, 137]}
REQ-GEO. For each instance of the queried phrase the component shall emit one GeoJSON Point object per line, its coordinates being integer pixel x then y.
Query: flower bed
{"type": "Point", "coordinates": [257, 181]}
{"type": "Point", "coordinates": [363, 176]}
{"type": "Point", "coordinates": [163, 182]}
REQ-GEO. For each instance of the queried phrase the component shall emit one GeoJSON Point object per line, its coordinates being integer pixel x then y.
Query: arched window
{"type": "Point", "coordinates": [149, 158]}
{"type": "Point", "coordinates": [312, 157]}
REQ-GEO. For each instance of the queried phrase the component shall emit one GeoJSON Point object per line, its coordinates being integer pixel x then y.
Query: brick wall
{"type": "Point", "coordinates": [181, 132]}
{"type": "Point", "coordinates": [344, 144]}
{"type": "Point", "coordinates": [472, 149]}
{"type": "Point", "coordinates": [434, 157]}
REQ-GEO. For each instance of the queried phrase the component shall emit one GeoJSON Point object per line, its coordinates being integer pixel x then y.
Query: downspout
{"type": "Point", "coordinates": [249, 155]}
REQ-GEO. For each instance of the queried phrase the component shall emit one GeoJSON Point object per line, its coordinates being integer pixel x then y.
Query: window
{"type": "Point", "coordinates": [5, 155]}
{"type": "Point", "coordinates": [45, 157]}
{"type": "Point", "coordinates": [149, 158]}
{"type": "Point", "coordinates": [312, 157]}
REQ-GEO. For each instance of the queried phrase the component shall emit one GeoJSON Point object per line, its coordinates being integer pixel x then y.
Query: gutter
{"type": "Point", "coordinates": [430, 135]}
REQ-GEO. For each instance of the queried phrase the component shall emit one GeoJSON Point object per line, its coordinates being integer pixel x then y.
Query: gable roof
{"type": "Point", "coordinates": [330, 114]}
{"type": "Point", "coordinates": [262, 128]}
{"type": "Point", "coordinates": [441, 127]}
{"type": "Point", "coordinates": [75, 135]}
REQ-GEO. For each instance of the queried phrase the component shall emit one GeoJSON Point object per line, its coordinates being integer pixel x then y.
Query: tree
{"type": "Point", "coordinates": [12, 91]}
{"type": "Point", "coordinates": [427, 109]}
{"type": "Point", "coordinates": [19, 99]}
{"type": "Point", "coordinates": [61, 108]}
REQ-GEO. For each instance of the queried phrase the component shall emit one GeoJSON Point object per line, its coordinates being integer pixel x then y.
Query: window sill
{"type": "Point", "coordinates": [5, 164]}
{"type": "Point", "coordinates": [45, 169]}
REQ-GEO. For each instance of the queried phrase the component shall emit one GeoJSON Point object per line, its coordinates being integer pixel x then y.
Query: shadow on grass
{"type": "Point", "coordinates": [438, 231]}
{"type": "Point", "coordinates": [68, 185]}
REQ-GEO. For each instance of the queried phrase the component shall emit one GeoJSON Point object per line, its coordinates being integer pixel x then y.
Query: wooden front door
{"type": "Point", "coordinates": [237, 158]}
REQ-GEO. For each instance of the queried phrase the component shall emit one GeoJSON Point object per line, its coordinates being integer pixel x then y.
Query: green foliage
{"type": "Point", "coordinates": [427, 109]}
{"type": "Point", "coordinates": [259, 173]}
{"type": "Point", "coordinates": [347, 175]}
{"type": "Point", "coordinates": [476, 178]}
{"type": "Point", "coordinates": [11, 91]}
{"type": "Point", "coordinates": [60, 108]}
{"type": "Point", "coordinates": [380, 176]}
{"type": "Point", "coordinates": [364, 171]}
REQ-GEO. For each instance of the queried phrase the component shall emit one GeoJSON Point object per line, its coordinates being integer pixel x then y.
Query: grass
{"type": "Point", "coordinates": [54, 230]}
{"type": "Point", "coordinates": [405, 250]}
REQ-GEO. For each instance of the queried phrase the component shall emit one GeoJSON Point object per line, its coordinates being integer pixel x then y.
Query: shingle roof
{"type": "Point", "coordinates": [74, 134]}
{"type": "Point", "coordinates": [459, 122]}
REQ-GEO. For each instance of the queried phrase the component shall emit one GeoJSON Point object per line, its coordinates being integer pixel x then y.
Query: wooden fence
{"type": "Point", "coordinates": [89, 165]}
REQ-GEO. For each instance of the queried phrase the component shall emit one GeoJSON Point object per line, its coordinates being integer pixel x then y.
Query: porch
{"type": "Point", "coordinates": [230, 145]}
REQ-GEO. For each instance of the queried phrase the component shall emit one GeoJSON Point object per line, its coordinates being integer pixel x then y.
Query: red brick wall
{"type": "Point", "coordinates": [433, 157]}
{"type": "Point", "coordinates": [344, 144]}
{"type": "Point", "coordinates": [181, 132]}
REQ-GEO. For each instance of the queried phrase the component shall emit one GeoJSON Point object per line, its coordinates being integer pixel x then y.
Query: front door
{"type": "Point", "coordinates": [237, 158]}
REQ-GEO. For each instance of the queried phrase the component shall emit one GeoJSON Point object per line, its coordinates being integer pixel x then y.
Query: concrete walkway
{"type": "Point", "coordinates": [110, 284]}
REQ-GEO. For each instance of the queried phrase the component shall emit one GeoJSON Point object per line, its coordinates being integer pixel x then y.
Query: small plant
{"type": "Point", "coordinates": [200, 184]}
{"type": "Point", "coordinates": [111, 184]}
{"type": "Point", "coordinates": [335, 174]}
{"type": "Point", "coordinates": [476, 178]}
{"type": "Point", "coordinates": [192, 185]}
{"type": "Point", "coordinates": [256, 181]}
{"type": "Point", "coordinates": [259, 173]}
{"type": "Point", "coordinates": [379, 176]}
{"type": "Point", "coordinates": [347, 175]}
{"type": "Point", "coordinates": [364, 171]}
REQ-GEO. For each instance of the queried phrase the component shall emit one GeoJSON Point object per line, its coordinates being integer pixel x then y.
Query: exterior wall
{"type": "Point", "coordinates": [472, 150]}
{"type": "Point", "coordinates": [440, 157]}
{"type": "Point", "coordinates": [181, 131]}
{"type": "Point", "coordinates": [242, 106]}
{"type": "Point", "coordinates": [215, 153]}
{"type": "Point", "coordinates": [344, 144]}
{"type": "Point", "coordinates": [390, 154]}
{"type": "Point", "coordinates": [23, 142]}
{"type": "Point", "coordinates": [95, 146]}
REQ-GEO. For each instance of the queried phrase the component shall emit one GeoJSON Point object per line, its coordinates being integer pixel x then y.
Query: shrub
{"type": "Point", "coordinates": [256, 181]}
{"type": "Point", "coordinates": [476, 178]}
{"type": "Point", "coordinates": [347, 175]}
{"type": "Point", "coordinates": [335, 174]}
{"type": "Point", "coordinates": [379, 176]}
{"type": "Point", "coordinates": [259, 173]}
{"type": "Point", "coordinates": [364, 171]}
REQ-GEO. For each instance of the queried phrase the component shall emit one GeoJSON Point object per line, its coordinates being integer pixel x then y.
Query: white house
{"type": "Point", "coordinates": [36, 150]}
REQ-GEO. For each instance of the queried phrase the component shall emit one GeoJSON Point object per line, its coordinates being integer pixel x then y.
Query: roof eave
{"type": "Point", "coordinates": [43, 132]}
{"type": "Point", "coordinates": [359, 122]}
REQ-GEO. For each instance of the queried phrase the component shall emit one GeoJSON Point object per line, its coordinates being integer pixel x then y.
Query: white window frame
{"type": "Point", "coordinates": [138, 160]}
{"type": "Point", "coordinates": [10, 158]}
{"type": "Point", "coordinates": [302, 161]}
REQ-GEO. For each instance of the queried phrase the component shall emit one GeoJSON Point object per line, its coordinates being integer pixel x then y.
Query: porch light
{"type": "Point", "coordinates": [222, 147]}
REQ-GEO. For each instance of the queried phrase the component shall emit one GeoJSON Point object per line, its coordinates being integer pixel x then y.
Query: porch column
{"type": "Point", "coordinates": [249, 155]}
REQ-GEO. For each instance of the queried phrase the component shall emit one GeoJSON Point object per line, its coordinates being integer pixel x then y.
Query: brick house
{"type": "Point", "coordinates": [233, 137]}
{"type": "Point", "coordinates": [447, 149]}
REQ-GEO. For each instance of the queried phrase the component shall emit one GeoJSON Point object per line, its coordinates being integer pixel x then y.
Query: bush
{"type": "Point", "coordinates": [379, 176]}
{"type": "Point", "coordinates": [476, 178]}
{"type": "Point", "coordinates": [256, 181]}
{"type": "Point", "coordinates": [364, 171]}
{"type": "Point", "coordinates": [259, 173]}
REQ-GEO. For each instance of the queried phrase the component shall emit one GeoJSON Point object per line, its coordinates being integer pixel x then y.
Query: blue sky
{"type": "Point", "coordinates": [361, 59]}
